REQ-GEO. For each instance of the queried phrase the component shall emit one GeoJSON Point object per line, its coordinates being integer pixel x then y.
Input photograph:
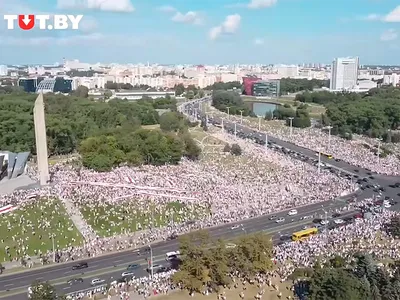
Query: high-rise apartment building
{"type": "Point", "coordinates": [344, 73]}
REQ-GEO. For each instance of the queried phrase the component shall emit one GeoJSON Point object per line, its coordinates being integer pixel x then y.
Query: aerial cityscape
{"type": "Point", "coordinates": [187, 150]}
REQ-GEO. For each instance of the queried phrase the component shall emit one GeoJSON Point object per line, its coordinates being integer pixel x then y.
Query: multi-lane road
{"type": "Point", "coordinates": [110, 267]}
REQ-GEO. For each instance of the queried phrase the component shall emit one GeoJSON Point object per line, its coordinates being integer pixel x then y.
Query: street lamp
{"type": "Point", "coordinates": [319, 161]}
{"type": "Point", "coordinates": [379, 149]}
{"type": "Point", "coordinates": [241, 116]}
{"type": "Point", "coordinates": [54, 247]}
{"type": "Point", "coordinates": [228, 107]}
{"type": "Point", "coordinates": [329, 136]}
{"type": "Point", "coordinates": [326, 224]}
{"type": "Point", "coordinates": [291, 125]}
{"type": "Point", "coordinates": [235, 129]}
{"type": "Point", "coordinates": [259, 123]}
{"type": "Point", "coordinates": [222, 124]}
{"type": "Point", "coordinates": [151, 261]}
{"type": "Point", "coordinates": [266, 141]}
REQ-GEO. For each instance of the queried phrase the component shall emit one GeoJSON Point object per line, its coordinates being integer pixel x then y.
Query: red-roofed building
{"type": "Point", "coordinates": [248, 84]}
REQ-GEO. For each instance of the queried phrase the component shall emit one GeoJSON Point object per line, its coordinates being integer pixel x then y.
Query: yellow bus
{"type": "Point", "coordinates": [329, 156]}
{"type": "Point", "coordinates": [304, 234]}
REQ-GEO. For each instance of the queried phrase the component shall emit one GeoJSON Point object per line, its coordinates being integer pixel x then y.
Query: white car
{"type": "Point", "coordinates": [127, 273]}
{"type": "Point", "coordinates": [280, 220]}
{"type": "Point", "coordinates": [324, 222]}
{"type": "Point", "coordinates": [292, 212]}
{"type": "Point", "coordinates": [97, 281]}
{"type": "Point", "coordinates": [338, 221]}
{"type": "Point", "coordinates": [235, 227]}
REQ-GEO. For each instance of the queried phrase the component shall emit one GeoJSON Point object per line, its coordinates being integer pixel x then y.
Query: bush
{"type": "Point", "coordinates": [236, 150]}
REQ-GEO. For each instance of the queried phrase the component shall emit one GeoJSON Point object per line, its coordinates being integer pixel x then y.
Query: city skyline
{"type": "Point", "coordinates": [177, 32]}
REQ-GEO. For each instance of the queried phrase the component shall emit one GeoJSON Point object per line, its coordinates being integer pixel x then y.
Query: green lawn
{"type": "Point", "coordinates": [31, 227]}
{"type": "Point", "coordinates": [126, 217]}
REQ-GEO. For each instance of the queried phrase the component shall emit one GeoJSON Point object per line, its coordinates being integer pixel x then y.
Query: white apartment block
{"type": "Point", "coordinates": [344, 73]}
{"type": "Point", "coordinates": [285, 71]}
{"type": "Point", "coordinates": [3, 70]}
{"type": "Point", "coordinates": [393, 79]}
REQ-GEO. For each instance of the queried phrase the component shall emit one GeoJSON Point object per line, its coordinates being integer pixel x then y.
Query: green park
{"type": "Point", "coordinates": [34, 226]}
{"type": "Point", "coordinates": [130, 216]}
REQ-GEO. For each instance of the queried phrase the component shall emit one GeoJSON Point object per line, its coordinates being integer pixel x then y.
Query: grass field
{"type": "Point", "coordinates": [233, 294]}
{"type": "Point", "coordinates": [126, 217]}
{"type": "Point", "coordinates": [31, 227]}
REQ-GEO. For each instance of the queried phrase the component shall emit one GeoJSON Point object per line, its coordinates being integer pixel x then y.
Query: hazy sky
{"type": "Point", "coordinates": [207, 31]}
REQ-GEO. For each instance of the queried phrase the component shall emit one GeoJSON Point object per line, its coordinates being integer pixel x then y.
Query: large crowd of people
{"type": "Point", "coordinates": [360, 151]}
{"type": "Point", "coordinates": [130, 207]}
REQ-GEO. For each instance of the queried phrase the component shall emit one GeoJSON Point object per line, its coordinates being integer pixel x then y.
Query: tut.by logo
{"type": "Point", "coordinates": [45, 22]}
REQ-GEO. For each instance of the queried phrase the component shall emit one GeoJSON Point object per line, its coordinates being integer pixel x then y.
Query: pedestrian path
{"type": "Point", "coordinates": [77, 218]}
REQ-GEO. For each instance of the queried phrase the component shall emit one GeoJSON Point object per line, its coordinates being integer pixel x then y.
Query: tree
{"type": "Point", "coordinates": [171, 121]}
{"type": "Point", "coordinates": [179, 89]}
{"type": "Point", "coordinates": [338, 284]}
{"type": "Point", "coordinates": [227, 148]}
{"type": "Point", "coordinates": [268, 115]}
{"type": "Point", "coordinates": [81, 91]}
{"type": "Point", "coordinates": [236, 150]}
{"type": "Point", "coordinates": [223, 99]}
{"type": "Point", "coordinates": [42, 291]}
{"type": "Point", "coordinates": [107, 94]}
{"type": "Point", "coordinates": [394, 227]}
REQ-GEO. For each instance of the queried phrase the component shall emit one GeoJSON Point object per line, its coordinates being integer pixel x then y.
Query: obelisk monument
{"type": "Point", "coordinates": [41, 140]}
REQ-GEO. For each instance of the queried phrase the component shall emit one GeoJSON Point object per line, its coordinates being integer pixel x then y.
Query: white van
{"type": "Point", "coordinates": [172, 255]}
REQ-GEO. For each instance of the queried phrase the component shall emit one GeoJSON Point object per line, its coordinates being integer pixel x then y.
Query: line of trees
{"type": "Point", "coordinates": [291, 85]}
{"type": "Point", "coordinates": [301, 116]}
{"type": "Point", "coordinates": [209, 263]}
{"type": "Point", "coordinates": [375, 114]}
{"type": "Point", "coordinates": [106, 134]}
{"type": "Point", "coordinates": [358, 277]}
{"type": "Point", "coordinates": [223, 99]}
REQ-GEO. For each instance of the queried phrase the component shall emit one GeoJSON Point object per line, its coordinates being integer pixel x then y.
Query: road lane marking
{"type": "Point", "coordinates": [10, 284]}
{"type": "Point", "coordinates": [119, 260]}
{"type": "Point", "coordinates": [66, 288]}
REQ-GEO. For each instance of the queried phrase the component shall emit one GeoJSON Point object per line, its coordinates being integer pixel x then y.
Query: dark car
{"type": "Point", "coordinates": [133, 267]}
{"type": "Point", "coordinates": [173, 236]}
{"type": "Point", "coordinates": [336, 215]}
{"type": "Point", "coordinates": [81, 265]}
{"type": "Point", "coordinates": [273, 218]}
{"type": "Point", "coordinates": [316, 221]}
{"type": "Point", "coordinates": [75, 281]}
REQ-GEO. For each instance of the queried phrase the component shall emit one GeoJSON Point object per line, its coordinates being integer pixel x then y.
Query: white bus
{"type": "Point", "coordinates": [172, 255]}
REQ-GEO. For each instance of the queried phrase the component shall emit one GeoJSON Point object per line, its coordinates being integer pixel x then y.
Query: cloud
{"type": "Point", "coordinates": [167, 8]}
{"type": "Point", "coordinates": [191, 17]}
{"type": "Point", "coordinates": [104, 5]}
{"type": "Point", "coordinates": [258, 42]}
{"type": "Point", "coordinates": [254, 4]}
{"type": "Point", "coordinates": [389, 35]}
{"type": "Point", "coordinates": [230, 26]}
{"type": "Point", "coordinates": [393, 16]}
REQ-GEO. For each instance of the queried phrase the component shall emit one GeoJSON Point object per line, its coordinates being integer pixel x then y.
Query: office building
{"type": "Point", "coordinates": [248, 84]}
{"type": "Point", "coordinates": [344, 73]}
{"type": "Point", "coordinates": [55, 85]}
{"type": "Point", "coordinates": [29, 85]}
{"type": "Point", "coordinates": [270, 88]}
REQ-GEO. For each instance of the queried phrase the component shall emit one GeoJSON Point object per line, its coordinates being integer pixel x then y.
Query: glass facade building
{"type": "Point", "coordinates": [269, 88]}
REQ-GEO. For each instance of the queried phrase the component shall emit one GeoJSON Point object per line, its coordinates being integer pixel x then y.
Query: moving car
{"type": "Point", "coordinates": [127, 273]}
{"type": "Point", "coordinates": [155, 267]}
{"type": "Point", "coordinates": [273, 218]}
{"type": "Point", "coordinates": [338, 221]}
{"type": "Point", "coordinates": [280, 220]}
{"type": "Point", "coordinates": [75, 281]}
{"type": "Point", "coordinates": [292, 212]}
{"type": "Point", "coordinates": [133, 267]}
{"type": "Point", "coordinates": [97, 281]}
{"type": "Point", "coordinates": [81, 265]}
{"type": "Point", "coordinates": [324, 222]}
{"type": "Point", "coordinates": [235, 227]}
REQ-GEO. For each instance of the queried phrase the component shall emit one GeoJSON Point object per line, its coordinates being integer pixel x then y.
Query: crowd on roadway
{"type": "Point", "coordinates": [360, 151]}
{"type": "Point", "coordinates": [366, 235]}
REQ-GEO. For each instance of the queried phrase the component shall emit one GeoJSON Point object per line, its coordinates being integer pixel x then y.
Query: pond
{"type": "Point", "coordinates": [260, 109]}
